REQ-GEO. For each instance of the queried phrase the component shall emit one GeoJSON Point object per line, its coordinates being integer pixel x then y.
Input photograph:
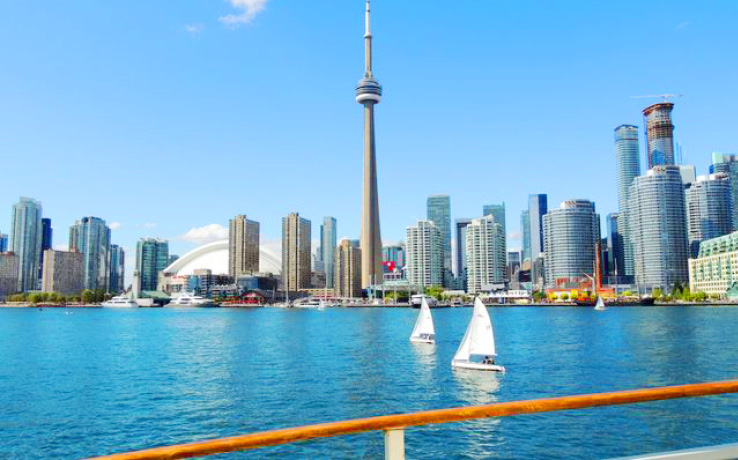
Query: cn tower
{"type": "Point", "coordinates": [369, 93]}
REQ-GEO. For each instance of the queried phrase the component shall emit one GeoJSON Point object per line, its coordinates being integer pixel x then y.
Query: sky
{"type": "Point", "coordinates": [166, 119]}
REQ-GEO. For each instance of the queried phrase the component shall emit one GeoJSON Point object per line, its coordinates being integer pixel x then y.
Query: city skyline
{"type": "Point", "coordinates": [403, 141]}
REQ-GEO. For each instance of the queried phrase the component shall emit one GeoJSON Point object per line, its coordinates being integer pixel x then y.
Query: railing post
{"type": "Point", "coordinates": [394, 444]}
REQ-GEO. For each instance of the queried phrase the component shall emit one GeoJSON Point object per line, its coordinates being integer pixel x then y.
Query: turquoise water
{"type": "Point", "coordinates": [101, 381]}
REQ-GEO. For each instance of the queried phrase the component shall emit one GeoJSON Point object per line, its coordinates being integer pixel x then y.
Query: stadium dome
{"type": "Point", "coordinates": [214, 256]}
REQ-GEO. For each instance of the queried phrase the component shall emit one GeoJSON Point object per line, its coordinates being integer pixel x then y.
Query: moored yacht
{"type": "Point", "coordinates": [187, 299]}
{"type": "Point", "coordinates": [120, 301]}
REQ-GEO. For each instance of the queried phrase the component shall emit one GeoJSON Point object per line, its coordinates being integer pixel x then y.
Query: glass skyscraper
{"type": "Point", "coordinates": [117, 269]}
{"type": "Point", "coordinates": [26, 235]}
{"type": "Point", "coordinates": [498, 212]}
{"type": "Point", "coordinates": [91, 237]}
{"type": "Point", "coordinates": [525, 235]}
{"type": "Point", "coordinates": [439, 212]}
{"type": "Point", "coordinates": [152, 257]}
{"type": "Point", "coordinates": [658, 228]}
{"type": "Point", "coordinates": [328, 243]}
{"type": "Point", "coordinates": [659, 134]}
{"type": "Point", "coordinates": [615, 247]}
{"type": "Point", "coordinates": [3, 242]}
{"type": "Point", "coordinates": [461, 256]}
{"type": "Point", "coordinates": [571, 234]}
{"type": "Point", "coordinates": [709, 210]}
{"type": "Point", "coordinates": [46, 242]}
{"type": "Point", "coordinates": [728, 163]}
{"type": "Point", "coordinates": [628, 162]}
{"type": "Point", "coordinates": [537, 208]}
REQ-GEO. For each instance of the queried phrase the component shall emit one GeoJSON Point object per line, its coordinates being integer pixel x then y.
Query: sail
{"type": "Point", "coordinates": [462, 354]}
{"type": "Point", "coordinates": [424, 323]}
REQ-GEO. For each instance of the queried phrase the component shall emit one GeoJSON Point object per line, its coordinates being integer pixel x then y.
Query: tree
{"type": "Point", "coordinates": [686, 294]}
{"type": "Point", "coordinates": [53, 297]}
{"type": "Point", "coordinates": [434, 292]}
{"type": "Point", "coordinates": [656, 293]}
{"type": "Point", "coordinates": [35, 298]}
{"type": "Point", "coordinates": [564, 296]}
{"type": "Point", "coordinates": [88, 296]}
{"type": "Point", "coordinates": [700, 296]}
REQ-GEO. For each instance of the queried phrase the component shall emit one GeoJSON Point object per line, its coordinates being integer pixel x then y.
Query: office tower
{"type": "Point", "coordinates": [537, 208]}
{"type": "Point", "coordinates": [62, 272]}
{"type": "Point", "coordinates": [3, 242]}
{"type": "Point", "coordinates": [424, 255]}
{"type": "Point", "coordinates": [709, 210]}
{"type": "Point", "coordinates": [91, 237]}
{"type": "Point", "coordinates": [485, 249]}
{"type": "Point", "coordinates": [243, 246]}
{"type": "Point", "coordinates": [525, 235]}
{"type": "Point", "coordinates": [347, 267]}
{"type": "Point", "coordinates": [628, 159]}
{"type": "Point", "coordinates": [658, 228]}
{"type": "Point", "coordinates": [328, 241]}
{"type": "Point", "coordinates": [118, 268]}
{"type": "Point", "coordinates": [571, 234]}
{"type": "Point", "coordinates": [461, 257]}
{"type": "Point", "coordinates": [152, 257]}
{"type": "Point", "coordinates": [296, 235]}
{"type": "Point", "coordinates": [46, 242]}
{"type": "Point", "coordinates": [369, 93]}
{"type": "Point", "coordinates": [173, 258]}
{"type": "Point", "coordinates": [615, 245]}
{"type": "Point", "coordinates": [688, 174]}
{"type": "Point", "coordinates": [9, 270]}
{"type": "Point", "coordinates": [659, 134]}
{"type": "Point", "coordinates": [394, 256]}
{"type": "Point", "coordinates": [439, 212]}
{"type": "Point", "coordinates": [728, 163]}
{"type": "Point", "coordinates": [498, 211]}
{"type": "Point", "coordinates": [26, 234]}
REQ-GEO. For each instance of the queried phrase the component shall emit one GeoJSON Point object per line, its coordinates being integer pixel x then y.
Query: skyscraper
{"type": "Point", "coordinates": [3, 242]}
{"type": "Point", "coordinates": [152, 257]}
{"type": "Point", "coordinates": [243, 246]}
{"type": "Point", "coordinates": [709, 210]}
{"type": "Point", "coordinates": [424, 255]}
{"type": "Point", "coordinates": [328, 241]}
{"type": "Point", "coordinates": [91, 237]}
{"type": "Point", "coordinates": [658, 228]}
{"type": "Point", "coordinates": [498, 211]}
{"type": "Point", "coordinates": [461, 256]}
{"type": "Point", "coordinates": [485, 249]}
{"type": "Point", "coordinates": [537, 208]}
{"type": "Point", "coordinates": [347, 266]}
{"type": "Point", "coordinates": [659, 134]}
{"type": "Point", "coordinates": [394, 255]}
{"type": "Point", "coordinates": [62, 272]}
{"type": "Point", "coordinates": [439, 212]}
{"type": "Point", "coordinates": [615, 246]}
{"type": "Point", "coordinates": [46, 242]}
{"type": "Point", "coordinates": [571, 234]}
{"type": "Point", "coordinates": [728, 163]}
{"type": "Point", "coordinates": [369, 93]}
{"type": "Point", "coordinates": [525, 235]}
{"type": "Point", "coordinates": [118, 269]}
{"type": "Point", "coordinates": [296, 241]}
{"type": "Point", "coordinates": [627, 155]}
{"type": "Point", "coordinates": [8, 274]}
{"type": "Point", "coordinates": [26, 234]}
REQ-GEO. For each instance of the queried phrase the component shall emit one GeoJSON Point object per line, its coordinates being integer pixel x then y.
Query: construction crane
{"type": "Point", "coordinates": [665, 97]}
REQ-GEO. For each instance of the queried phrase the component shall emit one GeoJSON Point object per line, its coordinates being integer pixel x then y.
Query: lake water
{"type": "Point", "coordinates": [99, 381]}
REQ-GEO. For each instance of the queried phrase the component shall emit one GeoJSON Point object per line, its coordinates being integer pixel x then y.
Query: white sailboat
{"type": "Point", "coordinates": [600, 305]}
{"type": "Point", "coordinates": [477, 350]}
{"type": "Point", "coordinates": [424, 332]}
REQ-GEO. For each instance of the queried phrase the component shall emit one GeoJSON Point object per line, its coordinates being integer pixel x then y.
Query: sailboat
{"type": "Point", "coordinates": [600, 305]}
{"type": "Point", "coordinates": [424, 332]}
{"type": "Point", "coordinates": [477, 350]}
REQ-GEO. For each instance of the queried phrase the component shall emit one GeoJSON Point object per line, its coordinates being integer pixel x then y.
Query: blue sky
{"type": "Point", "coordinates": [163, 117]}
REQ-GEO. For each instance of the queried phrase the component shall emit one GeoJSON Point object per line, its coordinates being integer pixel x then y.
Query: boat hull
{"type": "Point", "coordinates": [478, 366]}
{"type": "Point", "coordinates": [419, 340]}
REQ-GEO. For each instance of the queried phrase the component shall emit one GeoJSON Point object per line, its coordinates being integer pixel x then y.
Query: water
{"type": "Point", "coordinates": [101, 381]}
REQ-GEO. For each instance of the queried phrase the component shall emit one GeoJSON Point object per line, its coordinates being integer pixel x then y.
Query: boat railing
{"type": "Point", "coordinates": [394, 426]}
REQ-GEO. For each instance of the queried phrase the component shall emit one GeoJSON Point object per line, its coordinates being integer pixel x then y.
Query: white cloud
{"type": "Point", "coordinates": [194, 29]}
{"type": "Point", "coordinates": [249, 10]}
{"type": "Point", "coordinates": [206, 234]}
{"type": "Point", "coordinates": [114, 225]}
{"type": "Point", "coordinates": [149, 225]}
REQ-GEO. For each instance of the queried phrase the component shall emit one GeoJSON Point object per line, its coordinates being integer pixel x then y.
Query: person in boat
{"type": "Point", "coordinates": [488, 360]}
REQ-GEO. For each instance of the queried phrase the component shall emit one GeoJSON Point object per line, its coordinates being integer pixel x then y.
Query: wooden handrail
{"type": "Point", "coordinates": [457, 414]}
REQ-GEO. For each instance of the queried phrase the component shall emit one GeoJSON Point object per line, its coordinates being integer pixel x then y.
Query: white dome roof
{"type": "Point", "coordinates": [214, 256]}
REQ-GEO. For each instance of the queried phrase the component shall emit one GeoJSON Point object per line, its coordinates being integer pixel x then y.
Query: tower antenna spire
{"type": "Point", "coordinates": [368, 41]}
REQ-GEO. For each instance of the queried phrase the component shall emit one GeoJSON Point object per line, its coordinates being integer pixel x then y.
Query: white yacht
{"type": "Point", "coordinates": [120, 301]}
{"type": "Point", "coordinates": [187, 299]}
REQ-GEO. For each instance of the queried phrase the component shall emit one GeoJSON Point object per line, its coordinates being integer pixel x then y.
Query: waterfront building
{"type": "Point", "coordinates": [63, 272]}
{"type": "Point", "coordinates": [393, 257]}
{"type": "Point", "coordinates": [498, 212]}
{"type": "Point", "coordinates": [328, 241]}
{"type": "Point", "coordinates": [118, 269]}
{"type": "Point", "coordinates": [461, 257]}
{"type": "Point", "coordinates": [728, 163]}
{"type": "Point", "coordinates": [714, 270]}
{"type": "Point", "coordinates": [46, 242]}
{"type": "Point", "coordinates": [615, 247]}
{"type": "Point", "coordinates": [296, 241]}
{"type": "Point", "coordinates": [439, 212]}
{"type": "Point", "coordinates": [347, 270]}
{"type": "Point", "coordinates": [658, 227]}
{"type": "Point", "coordinates": [424, 255]}
{"type": "Point", "coordinates": [9, 270]}
{"type": "Point", "coordinates": [152, 257]}
{"type": "Point", "coordinates": [369, 93]}
{"type": "Point", "coordinates": [537, 208]}
{"type": "Point", "coordinates": [571, 234]}
{"type": "Point", "coordinates": [659, 134]}
{"type": "Point", "coordinates": [243, 246]}
{"type": "Point", "coordinates": [91, 237]}
{"type": "Point", "coordinates": [688, 173]}
{"type": "Point", "coordinates": [525, 235]}
{"type": "Point", "coordinates": [26, 234]}
{"type": "Point", "coordinates": [628, 163]}
{"type": "Point", "coordinates": [3, 242]}
{"type": "Point", "coordinates": [485, 249]}
{"type": "Point", "coordinates": [709, 210]}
